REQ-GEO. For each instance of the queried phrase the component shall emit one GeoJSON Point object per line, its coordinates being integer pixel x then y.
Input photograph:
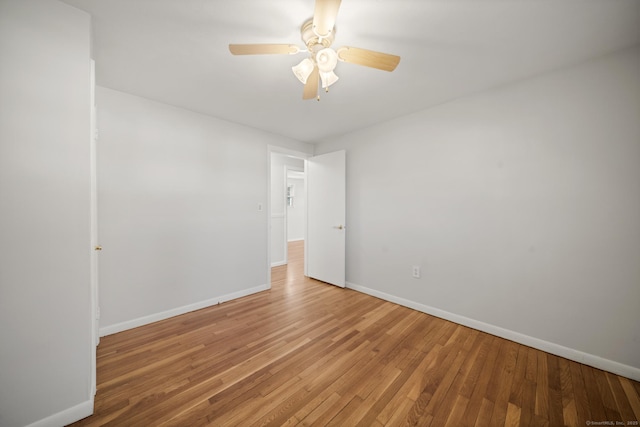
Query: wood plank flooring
{"type": "Point", "coordinates": [308, 353]}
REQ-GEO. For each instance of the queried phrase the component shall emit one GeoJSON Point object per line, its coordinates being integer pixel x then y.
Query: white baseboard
{"type": "Point", "coordinates": [67, 416]}
{"type": "Point", "coordinates": [295, 240]}
{"type": "Point", "coordinates": [278, 263]}
{"type": "Point", "coordinates": [145, 320]}
{"type": "Point", "coordinates": [549, 347]}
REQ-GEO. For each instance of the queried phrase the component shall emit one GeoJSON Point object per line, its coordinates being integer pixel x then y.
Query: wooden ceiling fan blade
{"type": "Point", "coordinates": [368, 58]}
{"type": "Point", "coordinates": [263, 49]}
{"type": "Point", "coordinates": [324, 16]}
{"type": "Point", "coordinates": [310, 90]}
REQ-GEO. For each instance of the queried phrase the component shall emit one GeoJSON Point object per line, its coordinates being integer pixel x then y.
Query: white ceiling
{"type": "Point", "coordinates": [176, 51]}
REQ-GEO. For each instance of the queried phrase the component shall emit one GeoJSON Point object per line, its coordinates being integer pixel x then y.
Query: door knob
{"type": "Point", "coordinates": [98, 248]}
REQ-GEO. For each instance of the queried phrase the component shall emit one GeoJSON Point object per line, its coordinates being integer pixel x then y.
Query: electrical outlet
{"type": "Point", "coordinates": [416, 272]}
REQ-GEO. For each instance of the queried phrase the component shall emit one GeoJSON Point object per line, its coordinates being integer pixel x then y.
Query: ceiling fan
{"type": "Point", "coordinates": [318, 34]}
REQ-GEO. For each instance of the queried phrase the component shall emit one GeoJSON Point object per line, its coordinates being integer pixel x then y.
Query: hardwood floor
{"type": "Point", "coordinates": [309, 353]}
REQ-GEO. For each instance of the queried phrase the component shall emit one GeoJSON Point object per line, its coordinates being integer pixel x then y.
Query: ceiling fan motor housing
{"type": "Point", "coordinates": [314, 42]}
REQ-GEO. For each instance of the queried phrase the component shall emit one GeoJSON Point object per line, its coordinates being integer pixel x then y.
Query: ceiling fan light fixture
{"type": "Point", "coordinates": [318, 34]}
{"type": "Point", "coordinates": [303, 70]}
{"type": "Point", "coordinates": [327, 59]}
{"type": "Point", "coordinates": [328, 79]}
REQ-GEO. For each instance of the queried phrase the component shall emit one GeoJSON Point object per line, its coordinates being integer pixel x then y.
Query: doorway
{"type": "Point", "coordinates": [324, 213]}
{"type": "Point", "coordinates": [287, 205]}
{"type": "Point", "coordinates": [295, 207]}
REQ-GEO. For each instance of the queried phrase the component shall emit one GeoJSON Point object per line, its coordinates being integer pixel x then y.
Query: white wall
{"type": "Point", "coordinates": [521, 205]}
{"type": "Point", "coordinates": [45, 318]}
{"type": "Point", "coordinates": [278, 201]}
{"type": "Point", "coordinates": [296, 213]}
{"type": "Point", "coordinates": [178, 209]}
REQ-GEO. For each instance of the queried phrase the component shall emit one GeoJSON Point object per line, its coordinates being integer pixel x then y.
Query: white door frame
{"type": "Point", "coordinates": [273, 149]}
{"type": "Point", "coordinates": [93, 136]}
{"type": "Point", "coordinates": [285, 212]}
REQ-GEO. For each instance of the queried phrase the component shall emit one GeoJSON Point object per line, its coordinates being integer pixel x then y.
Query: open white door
{"type": "Point", "coordinates": [326, 214]}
